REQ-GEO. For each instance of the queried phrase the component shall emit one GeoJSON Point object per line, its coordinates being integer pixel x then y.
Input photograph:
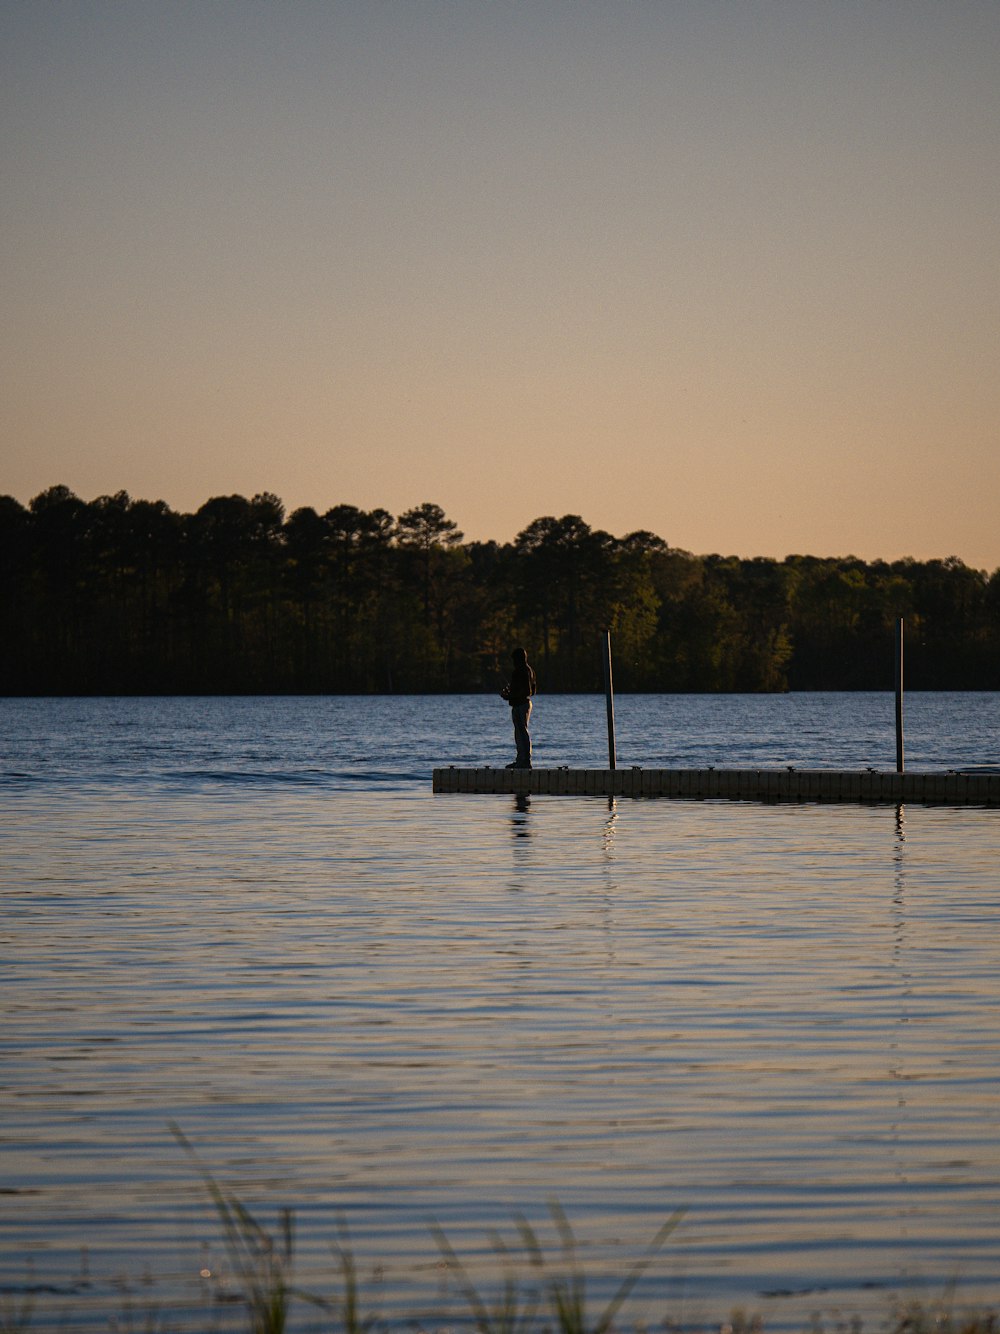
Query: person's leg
{"type": "Point", "coordinates": [522, 737]}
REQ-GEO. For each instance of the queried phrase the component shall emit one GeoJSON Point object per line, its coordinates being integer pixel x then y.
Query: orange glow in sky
{"type": "Point", "coordinates": [725, 271]}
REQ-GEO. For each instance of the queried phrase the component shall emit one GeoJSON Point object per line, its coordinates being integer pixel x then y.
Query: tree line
{"type": "Point", "coordinates": [125, 596]}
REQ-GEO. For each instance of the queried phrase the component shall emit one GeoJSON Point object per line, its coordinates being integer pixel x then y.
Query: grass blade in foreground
{"type": "Point", "coordinates": [264, 1267]}
{"type": "Point", "coordinates": [516, 1305]}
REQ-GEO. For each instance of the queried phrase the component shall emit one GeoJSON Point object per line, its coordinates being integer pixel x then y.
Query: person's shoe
{"type": "Point", "coordinates": [513, 765]}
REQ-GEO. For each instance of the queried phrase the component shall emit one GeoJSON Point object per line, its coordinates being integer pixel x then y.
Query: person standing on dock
{"type": "Point", "coordinates": [518, 692]}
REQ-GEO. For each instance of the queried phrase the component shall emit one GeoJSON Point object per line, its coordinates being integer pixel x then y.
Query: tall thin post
{"type": "Point", "coordinates": [609, 695]}
{"type": "Point", "coordinates": [899, 695]}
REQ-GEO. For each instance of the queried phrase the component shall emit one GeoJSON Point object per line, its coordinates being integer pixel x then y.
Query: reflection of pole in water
{"type": "Point", "coordinates": [609, 827]}
{"type": "Point", "coordinates": [610, 892]}
{"type": "Point", "coordinates": [896, 1073]}
{"type": "Point", "coordinates": [898, 877]}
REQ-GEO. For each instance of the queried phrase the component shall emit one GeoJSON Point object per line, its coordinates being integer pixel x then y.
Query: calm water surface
{"type": "Point", "coordinates": [253, 918]}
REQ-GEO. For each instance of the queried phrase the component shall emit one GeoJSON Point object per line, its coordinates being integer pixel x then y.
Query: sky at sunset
{"type": "Point", "coordinates": [725, 271]}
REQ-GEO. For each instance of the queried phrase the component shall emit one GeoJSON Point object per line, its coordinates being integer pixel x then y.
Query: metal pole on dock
{"type": "Point", "coordinates": [609, 695]}
{"type": "Point", "coordinates": [899, 694]}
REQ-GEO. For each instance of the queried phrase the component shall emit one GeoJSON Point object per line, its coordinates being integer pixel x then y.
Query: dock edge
{"type": "Point", "coordinates": [947, 787]}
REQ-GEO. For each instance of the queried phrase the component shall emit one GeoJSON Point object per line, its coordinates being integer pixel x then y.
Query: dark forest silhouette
{"type": "Point", "coordinates": [123, 596]}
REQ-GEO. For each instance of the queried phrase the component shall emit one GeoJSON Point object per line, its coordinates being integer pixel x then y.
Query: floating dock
{"type": "Point", "coordinates": [950, 787]}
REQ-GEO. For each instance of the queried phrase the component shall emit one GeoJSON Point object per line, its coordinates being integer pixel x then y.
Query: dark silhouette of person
{"type": "Point", "coordinates": [518, 692]}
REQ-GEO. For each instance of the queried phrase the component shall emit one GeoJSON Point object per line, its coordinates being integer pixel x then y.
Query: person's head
{"type": "Point", "coordinates": [519, 657]}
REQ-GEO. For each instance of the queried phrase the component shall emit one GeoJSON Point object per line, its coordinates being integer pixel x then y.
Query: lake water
{"type": "Point", "coordinates": [382, 1007]}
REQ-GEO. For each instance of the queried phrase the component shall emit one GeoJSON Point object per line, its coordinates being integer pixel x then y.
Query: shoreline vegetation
{"type": "Point", "coordinates": [531, 1290]}
{"type": "Point", "coordinates": [118, 596]}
